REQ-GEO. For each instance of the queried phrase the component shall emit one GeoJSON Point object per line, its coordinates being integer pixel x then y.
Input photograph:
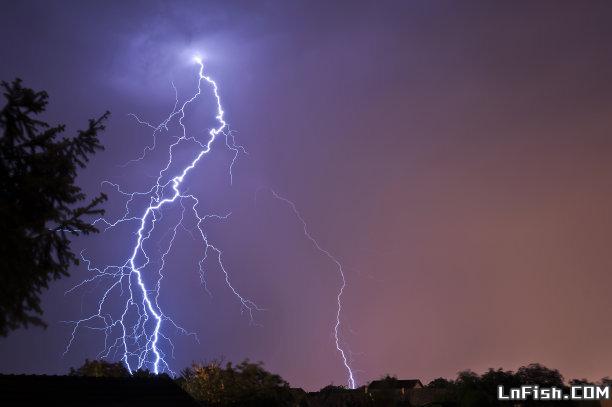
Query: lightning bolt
{"type": "Point", "coordinates": [138, 330]}
{"type": "Point", "coordinates": [338, 264]}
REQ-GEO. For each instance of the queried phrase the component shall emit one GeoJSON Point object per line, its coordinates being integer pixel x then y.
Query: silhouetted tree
{"type": "Point", "coordinates": [103, 368]}
{"type": "Point", "coordinates": [244, 384]}
{"type": "Point", "coordinates": [580, 382]}
{"type": "Point", "coordinates": [536, 373]}
{"type": "Point", "coordinates": [100, 368]}
{"type": "Point", "coordinates": [40, 205]}
{"type": "Point", "coordinates": [440, 383]}
{"type": "Point", "coordinates": [606, 381]}
{"type": "Point", "coordinates": [493, 378]}
{"type": "Point", "coordinates": [471, 389]}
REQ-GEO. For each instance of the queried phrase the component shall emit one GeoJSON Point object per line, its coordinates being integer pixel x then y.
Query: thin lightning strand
{"type": "Point", "coordinates": [298, 215]}
{"type": "Point", "coordinates": [141, 322]}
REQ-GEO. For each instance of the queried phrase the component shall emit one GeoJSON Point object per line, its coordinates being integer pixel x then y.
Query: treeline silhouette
{"type": "Point", "coordinates": [472, 389]}
{"type": "Point", "coordinates": [215, 383]}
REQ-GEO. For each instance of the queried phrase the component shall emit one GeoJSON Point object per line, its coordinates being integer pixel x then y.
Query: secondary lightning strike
{"type": "Point", "coordinates": [142, 320]}
{"type": "Point", "coordinates": [298, 215]}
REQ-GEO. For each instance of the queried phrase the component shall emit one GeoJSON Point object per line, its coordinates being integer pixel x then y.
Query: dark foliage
{"type": "Point", "coordinates": [440, 383]}
{"type": "Point", "coordinates": [100, 368]}
{"type": "Point", "coordinates": [332, 388]}
{"type": "Point", "coordinates": [244, 384]}
{"type": "Point", "coordinates": [249, 384]}
{"type": "Point", "coordinates": [471, 389]}
{"type": "Point", "coordinates": [40, 205]}
{"type": "Point", "coordinates": [535, 373]}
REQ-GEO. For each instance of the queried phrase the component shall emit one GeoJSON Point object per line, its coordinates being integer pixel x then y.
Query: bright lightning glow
{"type": "Point", "coordinates": [298, 215]}
{"type": "Point", "coordinates": [137, 331]}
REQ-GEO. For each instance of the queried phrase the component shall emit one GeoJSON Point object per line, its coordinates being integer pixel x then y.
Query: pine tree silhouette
{"type": "Point", "coordinates": [40, 205]}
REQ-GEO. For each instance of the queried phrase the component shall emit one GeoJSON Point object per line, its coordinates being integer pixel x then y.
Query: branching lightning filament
{"type": "Point", "coordinates": [139, 331]}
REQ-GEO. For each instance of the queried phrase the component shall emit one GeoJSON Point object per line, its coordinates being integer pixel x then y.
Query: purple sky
{"type": "Point", "coordinates": [456, 157]}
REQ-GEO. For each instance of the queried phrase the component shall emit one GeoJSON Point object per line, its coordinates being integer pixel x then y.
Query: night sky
{"type": "Point", "coordinates": [456, 156]}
